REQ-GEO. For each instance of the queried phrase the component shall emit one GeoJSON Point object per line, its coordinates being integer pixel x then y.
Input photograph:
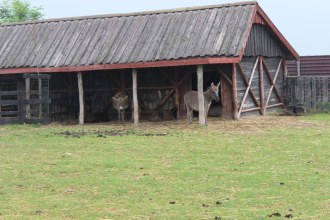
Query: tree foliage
{"type": "Point", "coordinates": [18, 11]}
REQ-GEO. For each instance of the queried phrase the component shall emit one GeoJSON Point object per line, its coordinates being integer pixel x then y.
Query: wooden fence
{"type": "Point", "coordinates": [308, 92]}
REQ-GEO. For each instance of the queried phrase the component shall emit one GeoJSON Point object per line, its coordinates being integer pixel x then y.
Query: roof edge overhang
{"type": "Point", "coordinates": [138, 65]}
{"type": "Point", "coordinates": [286, 43]}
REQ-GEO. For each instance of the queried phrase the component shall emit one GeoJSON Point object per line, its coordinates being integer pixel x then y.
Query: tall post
{"type": "Point", "coordinates": [135, 99]}
{"type": "Point", "coordinates": [201, 108]}
{"type": "Point", "coordinates": [177, 94]}
{"type": "Point", "coordinates": [1, 104]}
{"type": "Point", "coordinates": [298, 68]}
{"type": "Point", "coordinates": [262, 87]}
{"type": "Point", "coordinates": [40, 97]}
{"type": "Point", "coordinates": [27, 97]}
{"type": "Point", "coordinates": [81, 99]}
{"type": "Point", "coordinates": [234, 81]}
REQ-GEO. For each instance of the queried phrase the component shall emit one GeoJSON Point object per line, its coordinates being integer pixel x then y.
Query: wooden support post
{"type": "Point", "coordinates": [201, 108]}
{"type": "Point", "coordinates": [1, 104]}
{"type": "Point", "coordinates": [135, 98]}
{"type": "Point", "coordinates": [262, 87]}
{"type": "Point", "coordinates": [234, 87]}
{"type": "Point", "coordinates": [298, 68]}
{"type": "Point", "coordinates": [27, 97]}
{"type": "Point", "coordinates": [177, 94]}
{"type": "Point", "coordinates": [81, 99]}
{"type": "Point", "coordinates": [40, 97]}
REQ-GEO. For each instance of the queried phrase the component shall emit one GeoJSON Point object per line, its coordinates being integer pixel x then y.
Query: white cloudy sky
{"type": "Point", "coordinates": [305, 23]}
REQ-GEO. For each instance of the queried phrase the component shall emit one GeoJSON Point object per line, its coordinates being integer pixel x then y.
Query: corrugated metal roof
{"type": "Point", "coordinates": [311, 66]}
{"type": "Point", "coordinates": [212, 31]}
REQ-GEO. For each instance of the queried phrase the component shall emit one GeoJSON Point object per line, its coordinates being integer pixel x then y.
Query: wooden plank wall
{"type": "Point", "coordinates": [260, 85]}
{"type": "Point", "coordinates": [310, 92]}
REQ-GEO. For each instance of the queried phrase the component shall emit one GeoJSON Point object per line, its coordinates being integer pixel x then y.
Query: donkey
{"type": "Point", "coordinates": [191, 100]}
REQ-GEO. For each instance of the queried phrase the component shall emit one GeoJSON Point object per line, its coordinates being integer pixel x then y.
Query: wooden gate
{"type": "Point", "coordinates": [24, 106]}
{"type": "Point", "coordinates": [11, 108]}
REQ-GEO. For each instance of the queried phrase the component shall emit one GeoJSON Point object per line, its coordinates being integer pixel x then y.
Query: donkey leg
{"type": "Point", "coordinates": [189, 115]}
{"type": "Point", "coordinates": [206, 113]}
{"type": "Point", "coordinates": [118, 115]}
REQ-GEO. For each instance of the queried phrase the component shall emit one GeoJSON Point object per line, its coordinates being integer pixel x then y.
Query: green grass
{"type": "Point", "coordinates": [251, 168]}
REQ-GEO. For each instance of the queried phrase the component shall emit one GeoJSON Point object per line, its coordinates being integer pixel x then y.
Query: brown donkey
{"type": "Point", "coordinates": [191, 100]}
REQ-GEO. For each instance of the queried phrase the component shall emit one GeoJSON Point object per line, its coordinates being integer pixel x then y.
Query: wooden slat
{"type": "Point", "coordinates": [8, 113]}
{"type": "Point", "coordinates": [9, 102]}
{"type": "Point", "coordinates": [36, 101]}
{"type": "Point", "coordinates": [308, 93]}
{"type": "Point", "coordinates": [275, 105]}
{"type": "Point", "coordinates": [313, 93]}
{"type": "Point", "coordinates": [301, 91]}
{"type": "Point", "coordinates": [325, 92]}
{"type": "Point", "coordinates": [251, 109]}
{"type": "Point", "coordinates": [5, 93]}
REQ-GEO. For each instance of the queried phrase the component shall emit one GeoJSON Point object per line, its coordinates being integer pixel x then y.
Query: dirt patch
{"type": "Point", "coordinates": [288, 216]}
{"type": "Point", "coordinates": [275, 214]}
{"type": "Point", "coordinates": [249, 126]}
{"type": "Point", "coordinates": [108, 133]}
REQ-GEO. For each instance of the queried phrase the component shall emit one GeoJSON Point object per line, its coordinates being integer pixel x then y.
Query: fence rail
{"type": "Point", "coordinates": [311, 93]}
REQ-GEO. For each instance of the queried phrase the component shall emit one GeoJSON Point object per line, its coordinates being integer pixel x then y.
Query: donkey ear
{"type": "Point", "coordinates": [212, 84]}
{"type": "Point", "coordinates": [218, 84]}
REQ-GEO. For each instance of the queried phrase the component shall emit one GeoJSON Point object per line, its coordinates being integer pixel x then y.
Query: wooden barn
{"type": "Point", "coordinates": [72, 68]}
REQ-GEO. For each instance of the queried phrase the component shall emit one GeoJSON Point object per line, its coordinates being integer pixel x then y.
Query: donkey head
{"type": "Point", "coordinates": [214, 92]}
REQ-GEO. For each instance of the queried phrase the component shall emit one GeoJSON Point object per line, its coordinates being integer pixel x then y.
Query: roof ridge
{"type": "Point", "coordinates": [165, 11]}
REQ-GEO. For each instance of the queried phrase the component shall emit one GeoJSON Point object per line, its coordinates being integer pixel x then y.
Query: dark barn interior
{"type": "Point", "coordinates": [160, 98]}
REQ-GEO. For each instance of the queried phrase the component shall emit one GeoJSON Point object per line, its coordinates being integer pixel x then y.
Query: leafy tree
{"type": "Point", "coordinates": [18, 11]}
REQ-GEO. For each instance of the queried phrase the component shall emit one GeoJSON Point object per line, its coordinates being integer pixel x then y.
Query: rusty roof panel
{"type": "Point", "coordinates": [143, 37]}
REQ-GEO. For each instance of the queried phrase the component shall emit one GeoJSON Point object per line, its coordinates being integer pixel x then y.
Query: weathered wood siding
{"type": "Point", "coordinates": [262, 42]}
{"type": "Point", "coordinates": [266, 71]}
{"type": "Point", "coordinates": [312, 93]}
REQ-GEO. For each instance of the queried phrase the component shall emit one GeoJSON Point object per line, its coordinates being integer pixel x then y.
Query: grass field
{"type": "Point", "coordinates": [261, 168]}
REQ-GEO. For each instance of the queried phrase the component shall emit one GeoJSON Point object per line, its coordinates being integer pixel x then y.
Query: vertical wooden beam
{"type": "Point", "coordinates": [27, 96]}
{"type": "Point", "coordinates": [285, 68]}
{"type": "Point", "coordinates": [81, 99]}
{"type": "Point", "coordinates": [234, 81]}
{"type": "Point", "coordinates": [0, 100]}
{"type": "Point", "coordinates": [40, 97]}
{"type": "Point", "coordinates": [135, 99]}
{"type": "Point", "coordinates": [201, 109]}
{"type": "Point", "coordinates": [262, 87]}
{"type": "Point", "coordinates": [177, 93]}
{"type": "Point", "coordinates": [298, 68]}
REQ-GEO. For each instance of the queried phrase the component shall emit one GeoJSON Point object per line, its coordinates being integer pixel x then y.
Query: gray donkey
{"type": "Point", "coordinates": [191, 100]}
